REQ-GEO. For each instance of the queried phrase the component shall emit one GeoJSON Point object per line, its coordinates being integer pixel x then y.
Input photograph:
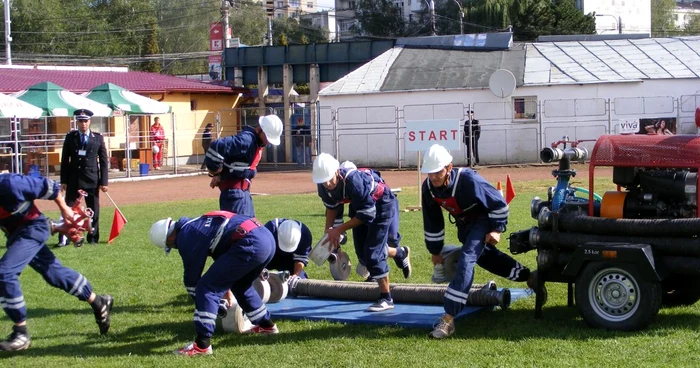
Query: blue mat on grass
{"type": "Point", "coordinates": [347, 311]}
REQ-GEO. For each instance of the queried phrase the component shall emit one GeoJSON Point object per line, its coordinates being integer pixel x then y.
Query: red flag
{"type": "Point", "coordinates": [117, 225]}
{"type": "Point", "coordinates": [510, 191]}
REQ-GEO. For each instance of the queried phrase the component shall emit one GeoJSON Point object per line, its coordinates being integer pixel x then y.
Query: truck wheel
{"type": "Point", "coordinates": [680, 290]}
{"type": "Point", "coordinates": [615, 297]}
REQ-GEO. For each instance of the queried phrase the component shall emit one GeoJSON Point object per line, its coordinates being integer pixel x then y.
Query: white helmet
{"type": "Point", "coordinates": [289, 235]}
{"type": "Point", "coordinates": [435, 159]}
{"type": "Point", "coordinates": [348, 165]}
{"type": "Point", "coordinates": [272, 127]}
{"type": "Point", "coordinates": [325, 167]}
{"type": "Point", "coordinates": [160, 231]}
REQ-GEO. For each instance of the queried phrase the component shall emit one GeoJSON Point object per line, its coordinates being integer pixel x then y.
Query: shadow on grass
{"type": "Point", "coordinates": [559, 322]}
{"type": "Point", "coordinates": [177, 302]}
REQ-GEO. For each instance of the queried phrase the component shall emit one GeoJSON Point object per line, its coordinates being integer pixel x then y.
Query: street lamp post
{"type": "Point", "coordinates": [461, 17]}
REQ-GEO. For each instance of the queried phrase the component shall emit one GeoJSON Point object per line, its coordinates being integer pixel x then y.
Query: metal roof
{"type": "Point", "coordinates": [540, 63]}
{"type": "Point", "coordinates": [19, 78]}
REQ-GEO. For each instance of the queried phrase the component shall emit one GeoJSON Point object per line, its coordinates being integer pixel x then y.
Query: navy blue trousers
{"type": "Point", "coordinates": [236, 270]}
{"type": "Point", "coordinates": [474, 251]}
{"type": "Point", "coordinates": [27, 246]}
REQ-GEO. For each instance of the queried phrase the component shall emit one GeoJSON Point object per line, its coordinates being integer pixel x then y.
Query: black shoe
{"type": "Point", "coordinates": [102, 307]}
{"type": "Point", "coordinates": [16, 341]}
{"type": "Point", "coordinates": [405, 263]}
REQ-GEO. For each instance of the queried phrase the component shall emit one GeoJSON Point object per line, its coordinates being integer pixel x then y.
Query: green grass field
{"type": "Point", "coordinates": [152, 315]}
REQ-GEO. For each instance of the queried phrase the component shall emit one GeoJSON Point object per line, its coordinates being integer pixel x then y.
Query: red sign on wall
{"type": "Point", "coordinates": [216, 37]}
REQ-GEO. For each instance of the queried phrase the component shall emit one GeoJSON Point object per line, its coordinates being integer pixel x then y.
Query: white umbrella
{"type": "Point", "coordinates": [12, 107]}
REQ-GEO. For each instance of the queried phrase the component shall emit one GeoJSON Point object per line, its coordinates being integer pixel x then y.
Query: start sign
{"type": "Point", "coordinates": [421, 134]}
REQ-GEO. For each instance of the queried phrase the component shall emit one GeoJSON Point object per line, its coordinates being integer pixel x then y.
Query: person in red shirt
{"type": "Point", "coordinates": [158, 138]}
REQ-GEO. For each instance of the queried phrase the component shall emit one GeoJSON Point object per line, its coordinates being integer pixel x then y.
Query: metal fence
{"type": "Point", "coordinates": [373, 136]}
{"type": "Point", "coordinates": [376, 135]}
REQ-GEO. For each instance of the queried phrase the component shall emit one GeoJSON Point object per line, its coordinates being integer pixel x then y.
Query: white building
{"type": "Point", "coordinates": [288, 8]}
{"type": "Point", "coordinates": [685, 10]}
{"type": "Point", "coordinates": [326, 20]}
{"type": "Point", "coordinates": [579, 89]}
{"type": "Point", "coordinates": [619, 16]}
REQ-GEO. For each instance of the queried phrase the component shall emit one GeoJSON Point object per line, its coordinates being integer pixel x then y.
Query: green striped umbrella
{"type": "Point", "coordinates": [122, 99]}
{"type": "Point", "coordinates": [57, 101]}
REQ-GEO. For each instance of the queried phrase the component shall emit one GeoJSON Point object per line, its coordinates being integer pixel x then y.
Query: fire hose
{"type": "Point", "coordinates": [479, 295]}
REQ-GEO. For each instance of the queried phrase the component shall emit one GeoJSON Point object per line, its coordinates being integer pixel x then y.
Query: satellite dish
{"type": "Point", "coordinates": [502, 83]}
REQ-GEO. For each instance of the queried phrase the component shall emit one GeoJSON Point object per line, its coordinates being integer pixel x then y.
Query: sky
{"type": "Point", "coordinates": [325, 4]}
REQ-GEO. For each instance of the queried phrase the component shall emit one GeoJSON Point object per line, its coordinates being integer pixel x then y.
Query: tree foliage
{"type": "Point", "coordinates": [297, 31]}
{"type": "Point", "coordinates": [248, 22]}
{"type": "Point", "coordinates": [662, 23]}
{"type": "Point", "coordinates": [379, 18]}
{"type": "Point", "coordinates": [692, 27]}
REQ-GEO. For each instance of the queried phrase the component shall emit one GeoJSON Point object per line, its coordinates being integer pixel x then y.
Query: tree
{"type": "Point", "coordinates": [662, 22]}
{"type": "Point", "coordinates": [532, 18]}
{"type": "Point", "coordinates": [379, 18]}
{"type": "Point", "coordinates": [248, 22]}
{"type": "Point", "coordinates": [568, 20]}
{"type": "Point", "coordinates": [298, 31]}
{"type": "Point", "coordinates": [692, 27]}
{"type": "Point", "coordinates": [151, 48]}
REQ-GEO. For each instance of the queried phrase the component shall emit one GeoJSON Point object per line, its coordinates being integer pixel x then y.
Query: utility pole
{"type": "Point", "coordinates": [227, 31]}
{"type": "Point", "coordinates": [432, 17]}
{"type": "Point", "coordinates": [8, 38]}
{"type": "Point", "coordinates": [269, 31]}
{"type": "Point", "coordinates": [619, 24]}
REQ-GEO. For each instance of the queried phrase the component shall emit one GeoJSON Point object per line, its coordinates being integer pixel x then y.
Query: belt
{"type": "Point", "coordinates": [378, 191]}
{"type": "Point", "coordinates": [242, 184]}
{"type": "Point", "coordinates": [245, 227]}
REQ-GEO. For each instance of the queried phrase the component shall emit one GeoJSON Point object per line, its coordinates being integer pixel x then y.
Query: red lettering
{"type": "Point", "coordinates": [454, 134]}
{"type": "Point", "coordinates": [432, 136]}
{"type": "Point", "coordinates": [443, 135]}
{"type": "Point", "coordinates": [411, 136]}
{"type": "Point", "coordinates": [422, 134]}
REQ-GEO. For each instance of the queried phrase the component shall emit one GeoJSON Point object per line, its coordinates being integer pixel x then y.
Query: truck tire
{"type": "Point", "coordinates": [680, 290]}
{"type": "Point", "coordinates": [613, 296]}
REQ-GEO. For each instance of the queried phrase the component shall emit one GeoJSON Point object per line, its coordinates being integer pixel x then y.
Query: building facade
{"type": "Point", "coordinates": [619, 16]}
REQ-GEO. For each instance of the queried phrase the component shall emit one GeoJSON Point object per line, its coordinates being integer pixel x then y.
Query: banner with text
{"type": "Point", "coordinates": [421, 134]}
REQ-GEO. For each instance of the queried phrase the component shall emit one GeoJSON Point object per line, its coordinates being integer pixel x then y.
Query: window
{"type": "Point", "coordinates": [193, 105]}
{"type": "Point", "coordinates": [280, 4]}
{"type": "Point", "coordinates": [280, 15]}
{"type": "Point", "coordinates": [352, 5]}
{"type": "Point", "coordinates": [295, 3]}
{"type": "Point", "coordinates": [525, 107]}
{"type": "Point", "coordinates": [310, 5]}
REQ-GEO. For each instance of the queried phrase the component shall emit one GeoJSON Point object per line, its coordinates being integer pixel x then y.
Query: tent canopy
{"type": "Point", "coordinates": [122, 99]}
{"type": "Point", "coordinates": [54, 100]}
{"type": "Point", "coordinates": [13, 107]}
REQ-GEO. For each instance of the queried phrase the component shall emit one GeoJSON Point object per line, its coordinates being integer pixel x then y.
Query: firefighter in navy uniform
{"type": "Point", "coordinates": [232, 163]}
{"type": "Point", "coordinates": [27, 231]}
{"type": "Point", "coordinates": [84, 166]}
{"type": "Point", "coordinates": [241, 248]}
{"type": "Point", "coordinates": [372, 211]}
{"type": "Point", "coordinates": [293, 241]}
{"type": "Point", "coordinates": [480, 214]}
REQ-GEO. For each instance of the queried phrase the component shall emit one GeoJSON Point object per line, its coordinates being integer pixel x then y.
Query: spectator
{"type": "Point", "coordinates": [158, 138]}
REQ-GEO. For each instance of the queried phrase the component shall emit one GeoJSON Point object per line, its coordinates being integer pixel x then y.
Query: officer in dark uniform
{"type": "Point", "coordinates": [82, 149]}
